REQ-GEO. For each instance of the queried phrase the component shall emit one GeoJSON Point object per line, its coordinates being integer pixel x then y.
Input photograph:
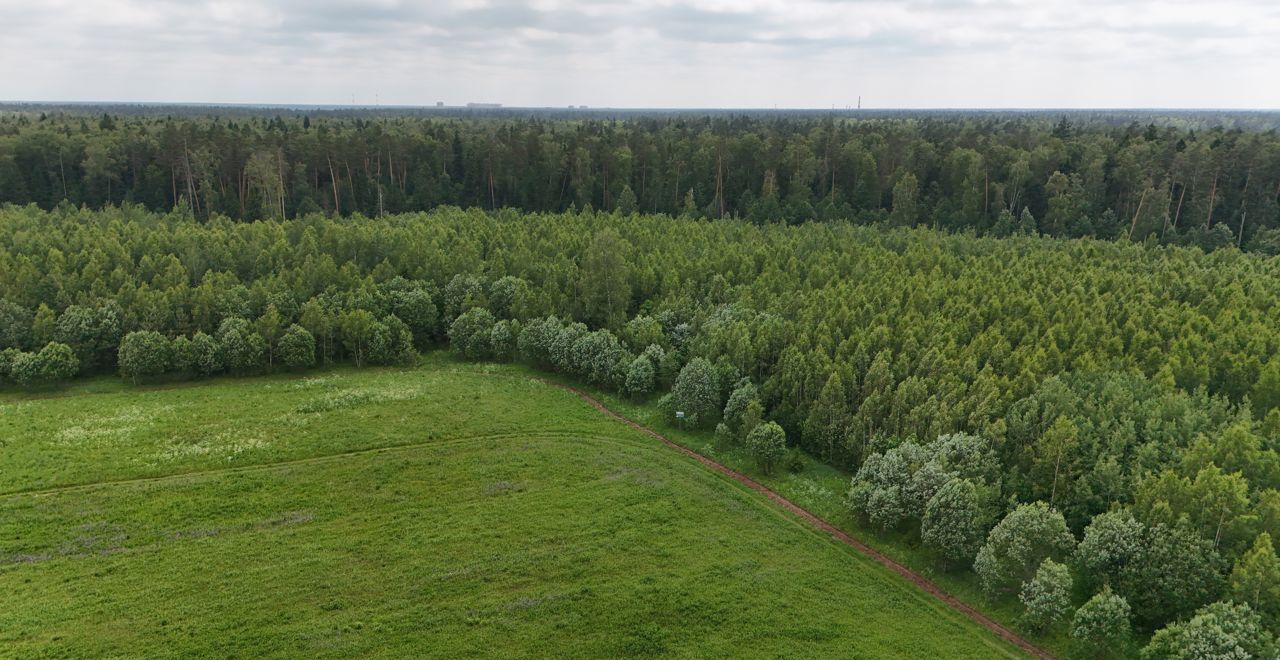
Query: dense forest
{"type": "Point", "coordinates": [1178, 178]}
{"type": "Point", "coordinates": [1090, 427]}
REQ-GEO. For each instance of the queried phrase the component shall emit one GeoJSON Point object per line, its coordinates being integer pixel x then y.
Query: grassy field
{"type": "Point", "coordinates": [821, 489]}
{"type": "Point", "coordinates": [447, 511]}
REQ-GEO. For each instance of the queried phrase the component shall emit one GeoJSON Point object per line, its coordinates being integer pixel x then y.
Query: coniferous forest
{"type": "Point", "coordinates": [1208, 179]}
{"type": "Point", "coordinates": [1042, 348]}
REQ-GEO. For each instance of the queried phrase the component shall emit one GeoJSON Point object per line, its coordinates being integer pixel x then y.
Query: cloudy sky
{"type": "Point", "coordinates": [648, 53]}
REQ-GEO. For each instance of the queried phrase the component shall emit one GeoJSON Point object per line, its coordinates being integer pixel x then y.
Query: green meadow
{"type": "Point", "coordinates": [449, 510]}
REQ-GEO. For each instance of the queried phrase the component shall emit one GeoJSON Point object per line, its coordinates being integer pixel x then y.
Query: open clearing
{"type": "Point", "coordinates": [451, 510]}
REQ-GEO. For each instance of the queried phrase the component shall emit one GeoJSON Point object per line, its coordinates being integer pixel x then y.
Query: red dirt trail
{"type": "Point", "coordinates": [915, 578]}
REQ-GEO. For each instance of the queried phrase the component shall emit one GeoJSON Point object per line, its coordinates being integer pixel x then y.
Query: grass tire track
{"type": "Point", "coordinates": [840, 535]}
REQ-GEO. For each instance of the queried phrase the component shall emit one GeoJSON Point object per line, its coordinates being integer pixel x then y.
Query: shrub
{"type": "Point", "coordinates": [56, 362]}
{"type": "Point", "coordinates": [297, 348]}
{"type": "Point", "coordinates": [1019, 543]}
{"type": "Point", "coordinates": [697, 393]}
{"type": "Point", "coordinates": [1047, 596]}
{"type": "Point", "coordinates": [207, 353]}
{"type": "Point", "coordinates": [143, 353]}
{"type": "Point", "coordinates": [768, 444]}
{"type": "Point", "coordinates": [1101, 625]}
{"type": "Point", "coordinates": [640, 378]}
{"type": "Point", "coordinates": [241, 347]}
{"type": "Point", "coordinates": [471, 333]}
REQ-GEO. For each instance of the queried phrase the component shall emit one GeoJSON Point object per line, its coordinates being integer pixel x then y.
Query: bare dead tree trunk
{"type": "Point", "coordinates": [675, 197]}
{"type": "Point", "coordinates": [1057, 463]}
{"type": "Point", "coordinates": [720, 182]}
{"type": "Point", "coordinates": [1244, 206]}
{"type": "Point", "coordinates": [986, 193]}
{"type": "Point", "coordinates": [280, 179]}
{"type": "Point", "coordinates": [492, 198]}
{"type": "Point", "coordinates": [1213, 195]}
{"type": "Point", "coordinates": [191, 186]}
{"type": "Point", "coordinates": [1164, 226]}
{"type": "Point", "coordinates": [1133, 225]}
{"type": "Point", "coordinates": [242, 189]}
{"type": "Point", "coordinates": [1178, 214]}
{"type": "Point", "coordinates": [644, 171]}
{"type": "Point", "coordinates": [333, 180]}
{"type": "Point", "coordinates": [62, 173]}
{"type": "Point", "coordinates": [833, 179]}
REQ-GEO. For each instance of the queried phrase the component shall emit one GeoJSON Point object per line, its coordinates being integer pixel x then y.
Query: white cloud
{"type": "Point", "coordinates": [657, 53]}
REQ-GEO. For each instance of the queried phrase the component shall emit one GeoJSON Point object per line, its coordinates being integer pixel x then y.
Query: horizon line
{"type": "Point", "coordinates": [490, 106]}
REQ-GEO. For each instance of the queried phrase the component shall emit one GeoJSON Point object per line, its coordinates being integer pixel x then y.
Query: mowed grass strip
{"type": "Point", "coordinates": [590, 544]}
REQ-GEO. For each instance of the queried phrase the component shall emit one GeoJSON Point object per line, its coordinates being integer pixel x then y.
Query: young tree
{"type": "Point", "coordinates": [1178, 572]}
{"type": "Point", "coordinates": [391, 342]}
{"type": "Point", "coordinates": [271, 326]}
{"type": "Point", "coordinates": [240, 346]}
{"type": "Point", "coordinates": [92, 332]}
{"type": "Point", "coordinates": [641, 332]}
{"type": "Point", "coordinates": [182, 355]}
{"type": "Point", "coordinates": [906, 211]}
{"type": "Point", "coordinates": [1101, 626]}
{"type": "Point", "coordinates": [460, 294]}
{"type": "Point", "coordinates": [1266, 392]}
{"type": "Point", "coordinates": [952, 524]}
{"type": "Point", "coordinates": [297, 348]}
{"type": "Point", "coordinates": [595, 355]}
{"type": "Point", "coordinates": [639, 379]}
{"type": "Point", "coordinates": [54, 363]}
{"type": "Point", "coordinates": [1220, 630]}
{"type": "Point", "coordinates": [880, 490]}
{"type": "Point", "coordinates": [828, 421]}
{"type": "Point", "coordinates": [323, 326]}
{"type": "Point", "coordinates": [1113, 543]}
{"type": "Point", "coordinates": [1027, 536]}
{"type": "Point", "coordinates": [502, 340]}
{"type": "Point", "coordinates": [743, 395]}
{"type": "Point", "coordinates": [143, 353]}
{"type": "Point", "coordinates": [208, 357]}
{"type": "Point", "coordinates": [507, 297]}
{"type": "Point", "coordinates": [1256, 579]}
{"type": "Point", "coordinates": [697, 393]}
{"type": "Point", "coordinates": [767, 442]}
{"type": "Point", "coordinates": [471, 333]}
{"type": "Point", "coordinates": [44, 326]}
{"type": "Point", "coordinates": [626, 204]}
{"type": "Point", "coordinates": [417, 309]}
{"type": "Point", "coordinates": [1054, 457]}
{"type": "Point", "coordinates": [536, 341]}
{"type": "Point", "coordinates": [15, 325]}
{"type": "Point", "coordinates": [1047, 596]}
{"type": "Point", "coordinates": [356, 327]}
{"type": "Point", "coordinates": [751, 417]}
{"type": "Point", "coordinates": [606, 279]}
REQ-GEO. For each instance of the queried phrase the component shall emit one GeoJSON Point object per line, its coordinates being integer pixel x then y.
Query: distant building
{"type": "Point", "coordinates": [484, 106]}
{"type": "Point", "coordinates": [439, 104]}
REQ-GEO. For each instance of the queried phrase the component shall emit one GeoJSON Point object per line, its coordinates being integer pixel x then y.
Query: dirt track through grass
{"type": "Point", "coordinates": [490, 513]}
{"type": "Point", "coordinates": [913, 577]}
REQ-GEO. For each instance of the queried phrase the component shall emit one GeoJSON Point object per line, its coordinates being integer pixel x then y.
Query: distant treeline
{"type": "Point", "coordinates": [1181, 177]}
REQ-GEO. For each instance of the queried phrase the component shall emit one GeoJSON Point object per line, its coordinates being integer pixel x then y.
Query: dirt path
{"type": "Point", "coordinates": [915, 578]}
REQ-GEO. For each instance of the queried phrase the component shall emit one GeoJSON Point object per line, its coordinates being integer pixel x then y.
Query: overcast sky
{"type": "Point", "coordinates": [647, 53]}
